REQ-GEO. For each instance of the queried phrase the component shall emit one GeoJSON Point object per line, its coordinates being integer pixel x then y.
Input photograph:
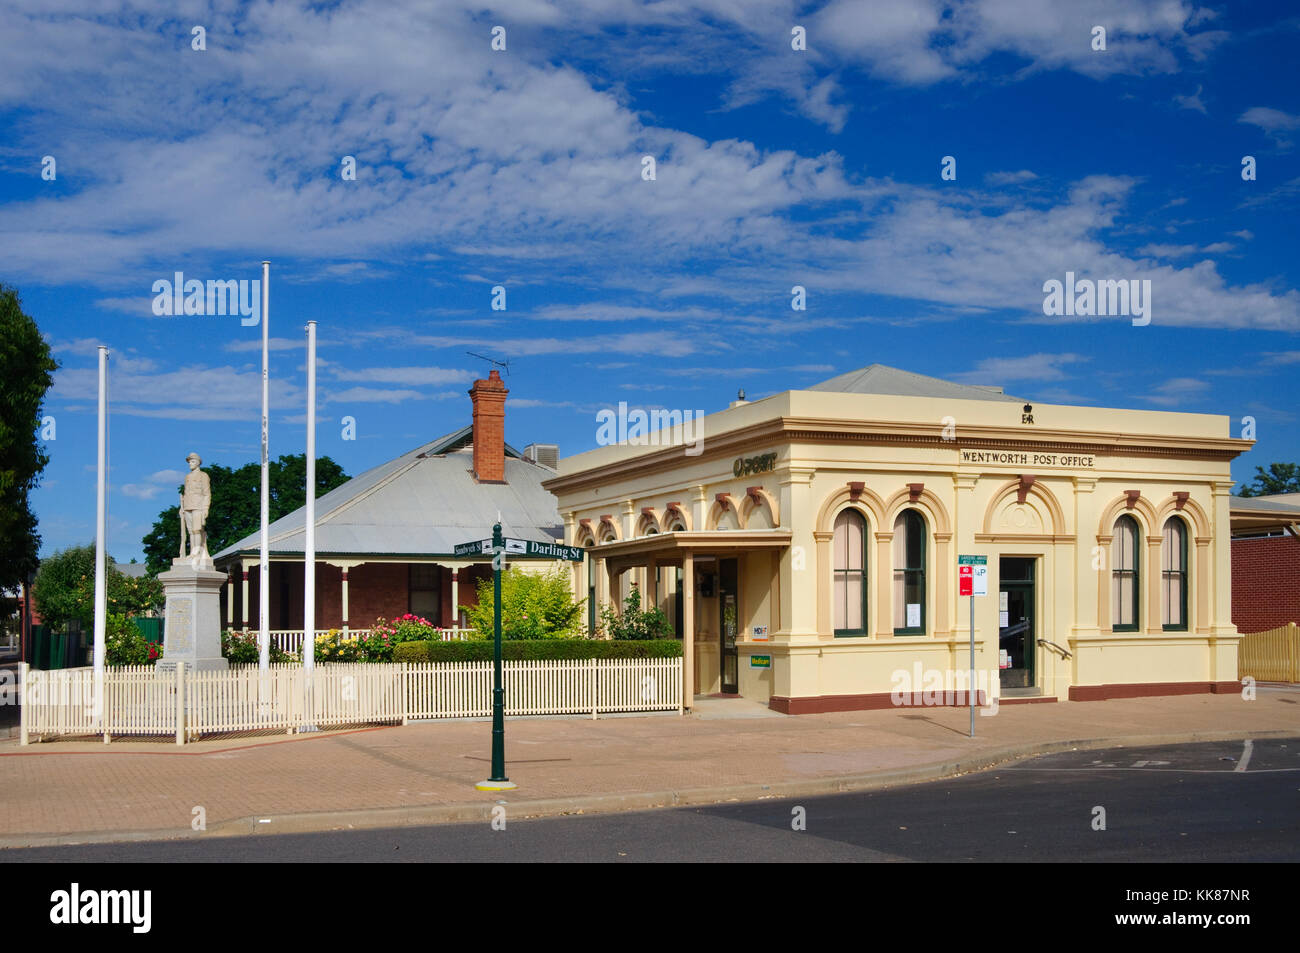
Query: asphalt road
{"type": "Point", "coordinates": [1216, 802]}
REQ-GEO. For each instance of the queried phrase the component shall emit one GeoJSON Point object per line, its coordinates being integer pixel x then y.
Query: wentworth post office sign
{"type": "Point", "coordinates": [1031, 458]}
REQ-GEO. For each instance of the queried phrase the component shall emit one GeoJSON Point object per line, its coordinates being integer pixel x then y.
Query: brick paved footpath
{"type": "Point", "coordinates": [64, 788]}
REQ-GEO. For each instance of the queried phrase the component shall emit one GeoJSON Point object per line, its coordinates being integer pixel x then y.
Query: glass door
{"type": "Point", "coordinates": [1017, 639]}
{"type": "Point", "coordinates": [728, 624]}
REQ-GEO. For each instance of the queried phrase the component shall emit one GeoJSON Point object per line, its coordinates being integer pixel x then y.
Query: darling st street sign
{"type": "Point", "coordinates": [521, 547]}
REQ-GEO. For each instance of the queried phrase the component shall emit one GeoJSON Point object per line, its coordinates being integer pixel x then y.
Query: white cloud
{"type": "Point", "coordinates": [140, 491]}
{"type": "Point", "coordinates": [1275, 123]}
{"type": "Point", "coordinates": [1192, 102]}
{"type": "Point", "coordinates": [1177, 392]}
{"type": "Point", "coordinates": [410, 376]}
{"type": "Point", "coordinates": [250, 345]}
{"type": "Point", "coordinates": [1270, 120]}
{"type": "Point", "coordinates": [191, 392]}
{"type": "Point", "coordinates": [553, 177]}
{"type": "Point", "coordinates": [1010, 178]}
{"type": "Point", "coordinates": [1031, 367]}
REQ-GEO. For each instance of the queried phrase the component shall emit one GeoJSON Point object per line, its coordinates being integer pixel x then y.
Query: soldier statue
{"type": "Point", "coordinates": [195, 500]}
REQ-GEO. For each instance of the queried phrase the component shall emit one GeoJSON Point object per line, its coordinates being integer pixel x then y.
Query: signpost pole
{"type": "Point", "coordinates": [972, 581]}
{"type": "Point", "coordinates": [970, 685]}
{"type": "Point", "coordinates": [498, 781]}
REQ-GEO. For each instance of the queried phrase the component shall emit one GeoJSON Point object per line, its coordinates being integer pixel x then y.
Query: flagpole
{"type": "Point", "coordinates": [101, 517]}
{"type": "Point", "coordinates": [264, 566]}
{"type": "Point", "coordinates": [309, 553]}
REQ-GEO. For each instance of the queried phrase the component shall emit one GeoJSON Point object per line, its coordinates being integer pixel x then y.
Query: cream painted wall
{"type": "Point", "coordinates": [1065, 524]}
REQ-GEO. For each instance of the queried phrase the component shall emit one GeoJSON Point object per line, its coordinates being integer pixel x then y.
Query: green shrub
{"type": "Point", "coordinates": [635, 623]}
{"type": "Point", "coordinates": [533, 606]}
{"type": "Point", "coordinates": [125, 644]}
{"type": "Point", "coordinates": [241, 648]}
{"type": "Point", "coordinates": [536, 649]}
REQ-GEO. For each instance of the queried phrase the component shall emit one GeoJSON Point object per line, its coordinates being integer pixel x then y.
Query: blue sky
{"type": "Point", "coordinates": [522, 168]}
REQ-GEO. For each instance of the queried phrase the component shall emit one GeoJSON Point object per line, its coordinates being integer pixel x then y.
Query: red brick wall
{"type": "Point", "coordinates": [374, 589]}
{"type": "Point", "coordinates": [377, 589]}
{"type": "Point", "coordinates": [1265, 582]}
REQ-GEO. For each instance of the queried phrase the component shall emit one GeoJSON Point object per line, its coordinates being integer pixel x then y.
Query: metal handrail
{"type": "Point", "coordinates": [1064, 652]}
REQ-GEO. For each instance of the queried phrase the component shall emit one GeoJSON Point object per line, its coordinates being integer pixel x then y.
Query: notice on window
{"type": "Point", "coordinates": [914, 615]}
{"type": "Point", "coordinates": [1004, 619]}
{"type": "Point", "coordinates": [1002, 600]}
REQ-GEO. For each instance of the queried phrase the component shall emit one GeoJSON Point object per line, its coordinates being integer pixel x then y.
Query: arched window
{"type": "Point", "coordinates": [1173, 576]}
{"type": "Point", "coordinates": [909, 573]}
{"type": "Point", "coordinates": [850, 566]}
{"type": "Point", "coordinates": [1125, 575]}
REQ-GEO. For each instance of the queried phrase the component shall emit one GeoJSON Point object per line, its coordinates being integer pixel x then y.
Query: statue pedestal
{"type": "Point", "coordinates": [192, 631]}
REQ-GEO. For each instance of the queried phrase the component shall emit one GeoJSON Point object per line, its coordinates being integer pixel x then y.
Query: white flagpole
{"type": "Point", "coordinates": [101, 517]}
{"type": "Point", "coordinates": [264, 567]}
{"type": "Point", "coordinates": [309, 554]}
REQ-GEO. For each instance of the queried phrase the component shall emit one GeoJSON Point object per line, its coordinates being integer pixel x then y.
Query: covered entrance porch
{"type": "Point", "coordinates": [721, 591]}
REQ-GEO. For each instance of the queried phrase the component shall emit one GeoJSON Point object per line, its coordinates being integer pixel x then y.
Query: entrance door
{"type": "Point", "coordinates": [1017, 640]}
{"type": "Point", "coordinates": [727, 625]}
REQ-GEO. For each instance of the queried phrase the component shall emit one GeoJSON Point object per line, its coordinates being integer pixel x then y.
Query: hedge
{"type": "Point", "coordinates": [514, 650]}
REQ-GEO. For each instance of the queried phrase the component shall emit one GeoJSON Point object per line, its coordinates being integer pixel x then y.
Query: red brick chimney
{"type": "Point", "coordinates": [489, 397]}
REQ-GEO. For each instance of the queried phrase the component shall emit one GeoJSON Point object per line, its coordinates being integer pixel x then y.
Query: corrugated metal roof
{"type": "Point", "coordinates": [424, 502]}
{"type": "Point", "coordinates": [1264, 504]}
{"type": "Point", "coordinates": [882, 379]}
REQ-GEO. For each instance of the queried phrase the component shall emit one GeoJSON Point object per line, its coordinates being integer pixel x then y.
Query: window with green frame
{"type": "Point", "coordinates": [1125, 575]}
{"type": "Point", "coordinates": [849, 589]}
{"type": "Point", "coordinates": [1173, 576]}
{"type": "Point", "coordinates": [909, 573]}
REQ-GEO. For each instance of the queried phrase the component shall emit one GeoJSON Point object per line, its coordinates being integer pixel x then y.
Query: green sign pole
{"type": "Point", "coordinates": [498, 781]}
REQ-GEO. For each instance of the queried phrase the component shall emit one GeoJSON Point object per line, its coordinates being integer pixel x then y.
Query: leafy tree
{"type": "Point", "coordinates": [237, 504]}
{"type": "Point", "coordinates": [1280, 478]}
{"type": "Point", "coordinates": [65, 589]}
{"type": "Point", "coordinates": [635, 622]}
{"type": "Point", "coordinates": [533, 606]}
{"type": "Point", "coordinates": [26, 373]}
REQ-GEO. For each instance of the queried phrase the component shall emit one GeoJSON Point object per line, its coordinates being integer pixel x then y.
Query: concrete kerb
{"type": "Point", "coordinates": [481, 811]}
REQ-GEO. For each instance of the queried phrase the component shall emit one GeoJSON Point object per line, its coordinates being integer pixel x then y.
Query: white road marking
{"type": "Point", "coordinates": [1245, 756]}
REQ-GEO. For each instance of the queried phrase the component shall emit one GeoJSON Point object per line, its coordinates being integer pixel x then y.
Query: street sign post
{"type": "Point", "coordinates": [972, 580]}
{"type": "Point", "coordinates": [499, 547]}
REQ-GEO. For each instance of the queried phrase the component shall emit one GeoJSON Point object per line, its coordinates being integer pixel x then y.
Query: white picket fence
{"type": "Point", "coordinates": [138, 700]}
{"type": "Point", "coordinates": [290, 640]}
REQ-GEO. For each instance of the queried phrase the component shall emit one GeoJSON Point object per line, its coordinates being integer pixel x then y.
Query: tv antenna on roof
{"type": "Point", "coordinates": [484, 357]}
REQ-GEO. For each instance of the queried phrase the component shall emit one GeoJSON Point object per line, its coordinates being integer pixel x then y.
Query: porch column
{"type": "Point", "coordinates": [230, 598]}
{"type": "Point", "coordinates": [688, 629]}
{"type": "Point", "coordinates": [599, 578]}
{"type": "Point", "coordinates": [651, 590]}
{"type": "Point", "coordinates": [1155, 621]}
{"type": "Point", "coordinates": [243, 615]}
{"type": "Point", "coordinates": [345, 601]}
{"type": "Point", "coordinates": [455, 597]}
{"type": "Point", "coordinates": [1202, 591]}
{"type": "Point", "coordinates": [884, 610]}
